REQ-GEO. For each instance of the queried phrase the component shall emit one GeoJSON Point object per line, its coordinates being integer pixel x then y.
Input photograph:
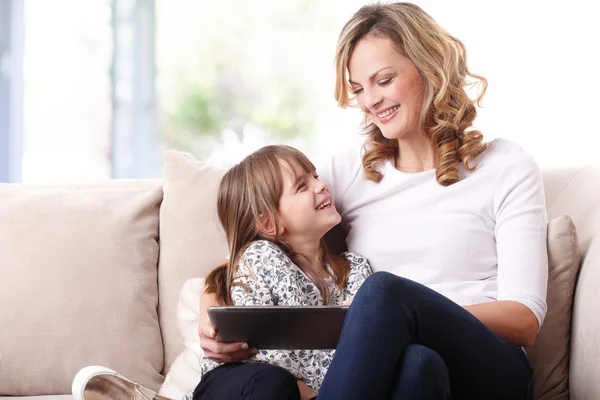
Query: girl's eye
{"type": "Point", "coordinates": [356, 91]}
{"type": "Point", "coordinates": [385, 82]}
{"type": "Point", "coordinates": [301, 186]}
{"type": "Point", "coordinates": [316, 176]}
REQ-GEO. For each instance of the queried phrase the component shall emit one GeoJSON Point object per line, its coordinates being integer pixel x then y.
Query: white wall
{"type": "Point", "coordinates": [542, 62]}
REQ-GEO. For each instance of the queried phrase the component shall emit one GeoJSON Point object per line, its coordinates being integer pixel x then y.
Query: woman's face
{"type": "Point", "coordinates": [388, 87]}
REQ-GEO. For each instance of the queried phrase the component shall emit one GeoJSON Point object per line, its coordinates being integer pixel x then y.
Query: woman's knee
{"type": "Point", "coordinates": [385, 285]}
{"type": "Point", "coordinates": [424, 374]}
{"type": "Point", "coordinates": [424, 361]}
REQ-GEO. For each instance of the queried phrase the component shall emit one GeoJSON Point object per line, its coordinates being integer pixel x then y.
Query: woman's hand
{"type": "Point", "coordinates": [306, 393]}
{"type": "Point", "coordinates": [217, 351]}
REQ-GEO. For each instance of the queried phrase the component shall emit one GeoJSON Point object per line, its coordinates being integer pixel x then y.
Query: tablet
{"type": "Point", "coordinates": [279, 327]}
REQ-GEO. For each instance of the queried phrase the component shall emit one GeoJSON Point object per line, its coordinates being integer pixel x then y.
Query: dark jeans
{"type": "Point", "coordinates": [240, 381]}
{"type": "Point", "coordinates": [402, 340]}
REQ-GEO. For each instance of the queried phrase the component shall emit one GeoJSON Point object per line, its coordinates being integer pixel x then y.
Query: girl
{"type": "Point", "coordinates": [275, 212]}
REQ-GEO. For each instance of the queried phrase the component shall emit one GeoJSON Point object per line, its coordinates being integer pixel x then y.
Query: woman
{"type": "Point", "coordinates": [456, 227]}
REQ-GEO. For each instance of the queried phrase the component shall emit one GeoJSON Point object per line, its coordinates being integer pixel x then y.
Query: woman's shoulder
{"type": "Point", "coordinates": [340, 171]}
{"type": "Point", "coordinates": [501, 157]}
{"type": "Point", "coordinates": [340, 163]}
{"type": "Point", "coordinates": [506, 165]}
{"type": "Point", "coordinates": [500, 150]}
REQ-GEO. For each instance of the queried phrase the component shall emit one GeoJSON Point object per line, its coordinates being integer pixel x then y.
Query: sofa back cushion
{"type": "Point", "coordinates": [192, 241]}
{"type": "Point", "coordinates": [576, 192]}
{"type": "Point", "coordinates": [78, 286]}
{"type": "Point", "coordinates": [549, 357]}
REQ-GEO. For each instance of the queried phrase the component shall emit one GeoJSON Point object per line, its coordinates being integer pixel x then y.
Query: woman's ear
{"type": "Point", "coordinates": [266, 225]}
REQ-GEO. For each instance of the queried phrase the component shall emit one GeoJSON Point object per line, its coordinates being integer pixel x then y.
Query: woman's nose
{"type": "Point", "coordinates": [372, 99]}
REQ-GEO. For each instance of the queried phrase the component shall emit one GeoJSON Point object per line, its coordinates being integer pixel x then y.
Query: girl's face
{"type": "Point", "coordinates": [388, 87]}
{"type": "Point", "coordinates": [306, 209]}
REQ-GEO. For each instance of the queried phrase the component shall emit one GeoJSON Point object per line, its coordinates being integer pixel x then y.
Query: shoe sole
{"type": "Point", "coordinates": [83, 377]}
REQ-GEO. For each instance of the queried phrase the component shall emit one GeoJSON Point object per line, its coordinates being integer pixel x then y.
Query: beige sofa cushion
{"type": "Point", "coordinates": [79, 284]}
{"type": "Point", "coordinates": [192, 240]}
{"type": "Point", "coordinates": [576, 192]}
{"type": "Point", "coordinates": [549, 357]}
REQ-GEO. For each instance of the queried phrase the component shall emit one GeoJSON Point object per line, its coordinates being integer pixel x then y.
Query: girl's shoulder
{"type": "Point", "coordinates": [264, 254]}
{"type": "Point", "coordinates": [356, 260]}
{"type": "Point", "coordinates": [262, 245]}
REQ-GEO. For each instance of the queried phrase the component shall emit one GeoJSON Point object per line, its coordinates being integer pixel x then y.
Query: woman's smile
{"type": "Point", "coordinates": [387, 114]}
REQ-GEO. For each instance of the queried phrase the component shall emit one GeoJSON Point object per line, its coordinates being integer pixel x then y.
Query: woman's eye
{"type": "Point", "coordinates": [385, 82]}
{"type": "Point", "coordinates": [301, 186]}
{"type": "Point", "coordinates": [356, 91]}
{"type": "Point", "coordinates": [316, 176]}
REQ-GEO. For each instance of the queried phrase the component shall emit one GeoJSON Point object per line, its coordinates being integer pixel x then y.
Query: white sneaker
{"type": "Point", "coordinates": [101, 383]}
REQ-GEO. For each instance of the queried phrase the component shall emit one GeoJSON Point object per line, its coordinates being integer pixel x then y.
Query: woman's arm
{"type": "Point", "coordinates": [217, 351]}
{"type": "Point", "coordinates": [510, 319]}
{"type": "Point", "coordinates": [520, 214]}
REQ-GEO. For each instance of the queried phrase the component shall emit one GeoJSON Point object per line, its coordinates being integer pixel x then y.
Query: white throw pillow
{"type": "Point", "coordinates": [184, 374]}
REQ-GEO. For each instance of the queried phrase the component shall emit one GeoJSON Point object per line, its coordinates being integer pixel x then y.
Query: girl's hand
{"type": "Point", "coordinates": [306, 393]}
{"type": "Point", "coordinates": [222, 352]}
{"type": "Point", "coordinates": [347, 302]}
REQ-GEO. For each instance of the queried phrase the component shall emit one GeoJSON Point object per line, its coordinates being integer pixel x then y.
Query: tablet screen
{"type": "Point", "coordinates": [279, 327]}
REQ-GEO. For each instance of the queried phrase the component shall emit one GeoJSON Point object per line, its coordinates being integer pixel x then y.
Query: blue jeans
{"type": "Point", "coordinates": [402, 340]}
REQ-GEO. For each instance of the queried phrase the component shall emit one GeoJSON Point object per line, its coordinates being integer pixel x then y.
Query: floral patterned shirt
{"type": "Point", "coordinates": [274, 280]}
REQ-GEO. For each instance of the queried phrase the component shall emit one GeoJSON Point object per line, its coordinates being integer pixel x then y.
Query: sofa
{"type": "Point", "coordinates": [92, 274]}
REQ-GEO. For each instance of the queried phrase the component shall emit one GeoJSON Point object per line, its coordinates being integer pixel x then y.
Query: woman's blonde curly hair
{"type": "Point", "coordinates": [447, 110]}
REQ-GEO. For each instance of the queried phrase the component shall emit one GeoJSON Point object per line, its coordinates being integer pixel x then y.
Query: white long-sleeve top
{"type": "Point", "coordinates": [481, 239]}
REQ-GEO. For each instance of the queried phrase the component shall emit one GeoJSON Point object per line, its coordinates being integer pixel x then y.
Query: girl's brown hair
{"type": "Point", "coordinates": [447, 110]}
{"type": "Point", "coordinates": [248, 190]}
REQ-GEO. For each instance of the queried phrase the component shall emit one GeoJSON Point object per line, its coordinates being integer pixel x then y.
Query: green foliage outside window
{"type": "Point", "coordinates": [242, 62]}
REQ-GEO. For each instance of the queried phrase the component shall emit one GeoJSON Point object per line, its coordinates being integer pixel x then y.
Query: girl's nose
{"type": "Point", "coordinates": [319, 186]}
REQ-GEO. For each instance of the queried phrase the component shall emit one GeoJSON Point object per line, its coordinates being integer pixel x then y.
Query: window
{"type": "Point", "coordinates": [233, 76]}
{"type": "Point", "coordinates": [67, 90]}
{"type": "Point", "coordinates": [107, 85]}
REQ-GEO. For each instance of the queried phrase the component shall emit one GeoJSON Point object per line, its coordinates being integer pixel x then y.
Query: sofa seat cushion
{"type": "Point", "coordinates": [79, 284]}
